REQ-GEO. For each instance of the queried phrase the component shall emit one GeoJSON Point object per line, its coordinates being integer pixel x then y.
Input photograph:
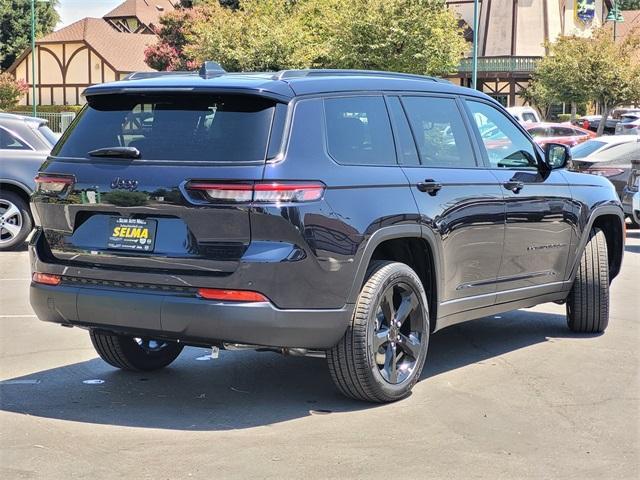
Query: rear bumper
{"type": "Point", "coordinates": [187, 318]}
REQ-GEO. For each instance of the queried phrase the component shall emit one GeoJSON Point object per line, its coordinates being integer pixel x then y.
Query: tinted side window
{"type": "Point", "coordinates": [406, 147]}
{"type": "Point", "coordinates": [439, 132]}
{"type": "Point", "coordinates": [9, 142]}
{"type": "Point", "coordinates": [537, 132]}
{"type": "Point", "coordinates": [358, 131]}
{"type": "Point", "coordinates": [506, 145]}
{"type": "Point", "coordinates": [562, 132]}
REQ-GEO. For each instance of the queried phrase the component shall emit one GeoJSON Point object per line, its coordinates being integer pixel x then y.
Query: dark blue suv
{"type": "Point", "coordinates": [346, 214]}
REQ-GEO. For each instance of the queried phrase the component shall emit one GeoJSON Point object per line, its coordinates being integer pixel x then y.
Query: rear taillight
{"type": "Point", "coordinates": [231, 295]}
{"type": "Point", "coordinates": [605, 172]}
{"type": "Point", "coordinates": [260, 192]}
{"type": "Point", "coordinates": [46, 278]}
{"type": "Point", "coordinates": [52, 183]}
{"type": "Point", "coordinates": [232, 192]}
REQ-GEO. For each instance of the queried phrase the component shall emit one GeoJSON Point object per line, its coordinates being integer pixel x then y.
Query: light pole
{"type": "Point", "coordinates": [474, 60]}
{"type": "Point", "coordinates": [614, 16]}
{"type": "Point", "coordinates": [33, 53]}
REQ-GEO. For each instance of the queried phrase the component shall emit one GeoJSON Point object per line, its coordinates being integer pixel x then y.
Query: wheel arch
{"type": "Point", "coordinates": [610, 219]}
{"type": "Point", "coordinates": [408, 244]}
{"type": "Point", "coordinates": [16, 187]}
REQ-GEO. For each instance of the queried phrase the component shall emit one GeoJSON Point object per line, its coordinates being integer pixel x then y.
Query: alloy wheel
{"type": "Point", "coordinates": [398, 334]}
{"type": "Point", "coordinates": [10, 221]}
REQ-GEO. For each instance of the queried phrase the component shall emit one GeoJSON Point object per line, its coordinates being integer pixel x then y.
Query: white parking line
{"type": "Point", "coordinates": [14, 279]}
{"type": "Point", "coordinates": [17, 316]}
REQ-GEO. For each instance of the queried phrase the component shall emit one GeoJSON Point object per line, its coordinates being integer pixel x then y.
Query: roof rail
{"type": "Point", "coordinates": [207, 70]}
{"type": "Point", "coordinates": [140, 75]}
{"type": "Point", "coordinates": [284, 74]}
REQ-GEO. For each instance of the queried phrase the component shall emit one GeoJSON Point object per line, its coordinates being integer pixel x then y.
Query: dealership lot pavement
{"type": "Point", "coordinates": [511, 396]}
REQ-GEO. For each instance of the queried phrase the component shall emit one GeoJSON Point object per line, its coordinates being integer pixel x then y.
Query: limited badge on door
{"type": "Point", "coordinates": [132, 234]}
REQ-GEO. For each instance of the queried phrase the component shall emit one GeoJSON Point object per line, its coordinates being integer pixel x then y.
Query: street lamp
{"type": "Point", "coordinates": [474, 61]}
{"type": "Point", "coordinates": [615, 16]}
{"type": "Point", "coordinates": [33, 52]}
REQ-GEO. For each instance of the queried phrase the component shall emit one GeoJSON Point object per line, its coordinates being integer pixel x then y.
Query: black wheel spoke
{"type": "Point", "coordinates": [408, 305]}
{"type": "Point", "coordinates": [390, 363]}
{"type": "Point", "coordinates": [381, 337]}
{"type": "Point", "coordinates": [410, 345]}
{"type": "Point", "coordinates": [387, 307]}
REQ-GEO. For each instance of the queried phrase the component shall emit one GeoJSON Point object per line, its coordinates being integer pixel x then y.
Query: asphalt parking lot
{"type": "Point", "coordinates": [512, 396]}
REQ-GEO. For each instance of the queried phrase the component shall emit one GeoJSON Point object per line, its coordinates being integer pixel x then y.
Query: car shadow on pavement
{"type": "Point", "coordinates": [245, 389]}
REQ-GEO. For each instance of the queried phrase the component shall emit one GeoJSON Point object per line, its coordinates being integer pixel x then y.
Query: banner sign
{"type": "Point", "coordinates": [585, 10]}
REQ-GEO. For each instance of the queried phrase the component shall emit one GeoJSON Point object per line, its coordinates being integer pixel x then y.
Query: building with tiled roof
{"type": "Point", "coordinates": [90, 51]}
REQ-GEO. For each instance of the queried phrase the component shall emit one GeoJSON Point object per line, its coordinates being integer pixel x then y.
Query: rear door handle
{"type": "Point", "coordinates": [429, 186]}
{"type": "Point", "coordinates": [514, 185]}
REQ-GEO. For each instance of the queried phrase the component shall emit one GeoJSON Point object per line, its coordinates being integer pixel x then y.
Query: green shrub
{"type": "Point", "coordinates": [564, 117]}
{"type": "Point", "coordinates": [48, 108]}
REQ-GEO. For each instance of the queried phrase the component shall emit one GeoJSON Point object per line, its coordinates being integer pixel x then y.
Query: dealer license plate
{"type": "Point", "coordinates": [132, 234]}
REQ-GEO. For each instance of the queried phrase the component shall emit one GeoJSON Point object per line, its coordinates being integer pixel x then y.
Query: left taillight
{"type": "Point", "coordinates": [259, 192]}
{"type": "Point", "coordinates": [46, 278]}
{"type": "Point", "coordinates": [53, 183]}
{"type": "Point", "coordinates": [605, 172]}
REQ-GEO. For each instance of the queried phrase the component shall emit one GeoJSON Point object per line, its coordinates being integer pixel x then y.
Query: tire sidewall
{"type": "Point", "coordinates": [400, 273]}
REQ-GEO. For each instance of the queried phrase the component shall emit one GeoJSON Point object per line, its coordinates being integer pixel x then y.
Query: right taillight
{"type": "Point", "coordinates": [52, 183]}
{"type": "Point", "coordinates": [259, 192]}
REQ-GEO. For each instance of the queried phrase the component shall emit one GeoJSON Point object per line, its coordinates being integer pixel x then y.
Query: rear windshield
{"type": "Point", "coordinates": [48, 134]}
{"type": "Point", "coordinates": [193, 128]}
{"type": "Point", "coordinates": [586, 148]}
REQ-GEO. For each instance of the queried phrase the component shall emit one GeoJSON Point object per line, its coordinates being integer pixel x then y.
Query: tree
{"type": "Point", "coordinates": [596, 69]}
{"type": "Point", "coordinates": [15, 26]}
{"type": "Point", "coordinates": [168, 52]}
{"type": "Point", "coordinates": [614, 71]}
{"type": "Point", "coordinates": [10, 91]}
{"type": "Point", "coordinates": [629, 4]}
{"type": "Point", "coordinates": [418, 36]}
{"type": "Point", "coordinates": [560, 77]}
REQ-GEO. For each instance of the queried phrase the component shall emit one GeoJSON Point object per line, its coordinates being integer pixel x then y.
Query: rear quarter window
{"type": "Point", "coordinates": [358, 131]}
{"type": "Point", "coordinates": [193, 128]}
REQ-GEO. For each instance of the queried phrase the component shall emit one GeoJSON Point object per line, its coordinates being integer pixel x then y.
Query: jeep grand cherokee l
{"type": "Point", "coordinates": [347, 214]}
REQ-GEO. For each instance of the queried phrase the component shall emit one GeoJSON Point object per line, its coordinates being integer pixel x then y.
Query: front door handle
{"type": "Point", "coordinates": [514, 185]}
{"type": "Point", "coordinates": [429, 186]}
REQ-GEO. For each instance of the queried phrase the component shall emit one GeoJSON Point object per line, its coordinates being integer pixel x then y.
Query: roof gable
{"type": "Point", "coordinates": [146, 11]}
{"type": "Point", "coordinates": [123, 51]}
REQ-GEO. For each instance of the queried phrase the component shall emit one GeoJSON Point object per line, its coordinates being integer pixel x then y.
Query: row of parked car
{"type": "Point", "coordinates": [25, 143]}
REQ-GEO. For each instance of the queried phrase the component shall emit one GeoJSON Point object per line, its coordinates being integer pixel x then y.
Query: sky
{"type": "Point", "coordinates": [72, 10]}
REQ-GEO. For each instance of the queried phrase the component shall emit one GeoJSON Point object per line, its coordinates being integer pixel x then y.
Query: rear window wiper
{"type": "Point", "coordinates": [121, 152]}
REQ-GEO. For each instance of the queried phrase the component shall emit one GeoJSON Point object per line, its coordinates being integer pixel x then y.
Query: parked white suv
{"type": "Point", "coordinates": [629, 124]}
{"type": "Point", "coordinates": [525, 114]}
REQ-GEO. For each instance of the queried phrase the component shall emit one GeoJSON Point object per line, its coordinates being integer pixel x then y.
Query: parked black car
{"type": "Point", "coordinates": [340, 213]}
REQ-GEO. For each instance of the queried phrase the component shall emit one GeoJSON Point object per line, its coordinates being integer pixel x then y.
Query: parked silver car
{"type": "Point", "coordinates": [25, 143]}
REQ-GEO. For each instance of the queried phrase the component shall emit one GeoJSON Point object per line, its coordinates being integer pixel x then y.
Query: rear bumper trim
{"type": "Point", "coordinates": [188, 319]}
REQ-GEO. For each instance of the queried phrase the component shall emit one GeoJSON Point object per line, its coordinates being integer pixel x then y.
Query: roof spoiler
{"type": "Point", "coordinates": [207, 70]}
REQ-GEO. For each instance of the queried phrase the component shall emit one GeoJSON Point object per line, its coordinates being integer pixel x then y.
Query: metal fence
{"type": "Point", "coordinates": [500, 64]}
{"type": "Point", "coordinates": [58, 122]}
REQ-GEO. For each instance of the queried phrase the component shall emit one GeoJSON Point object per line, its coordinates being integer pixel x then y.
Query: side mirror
{"type": "Point", "coordinates": [556, 155]}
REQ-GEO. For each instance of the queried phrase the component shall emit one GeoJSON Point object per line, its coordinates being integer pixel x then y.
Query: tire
{"type": "Point", "coordinates": [634, 224]}
{"type": "Point", "coordinates": [588, 301]}
{"type": "Point", "coordinates": [15, 220]}
{"type": "Point", "coordinates": [362, 363]}
{"type": "Point", "coordinates": [134, 354]}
